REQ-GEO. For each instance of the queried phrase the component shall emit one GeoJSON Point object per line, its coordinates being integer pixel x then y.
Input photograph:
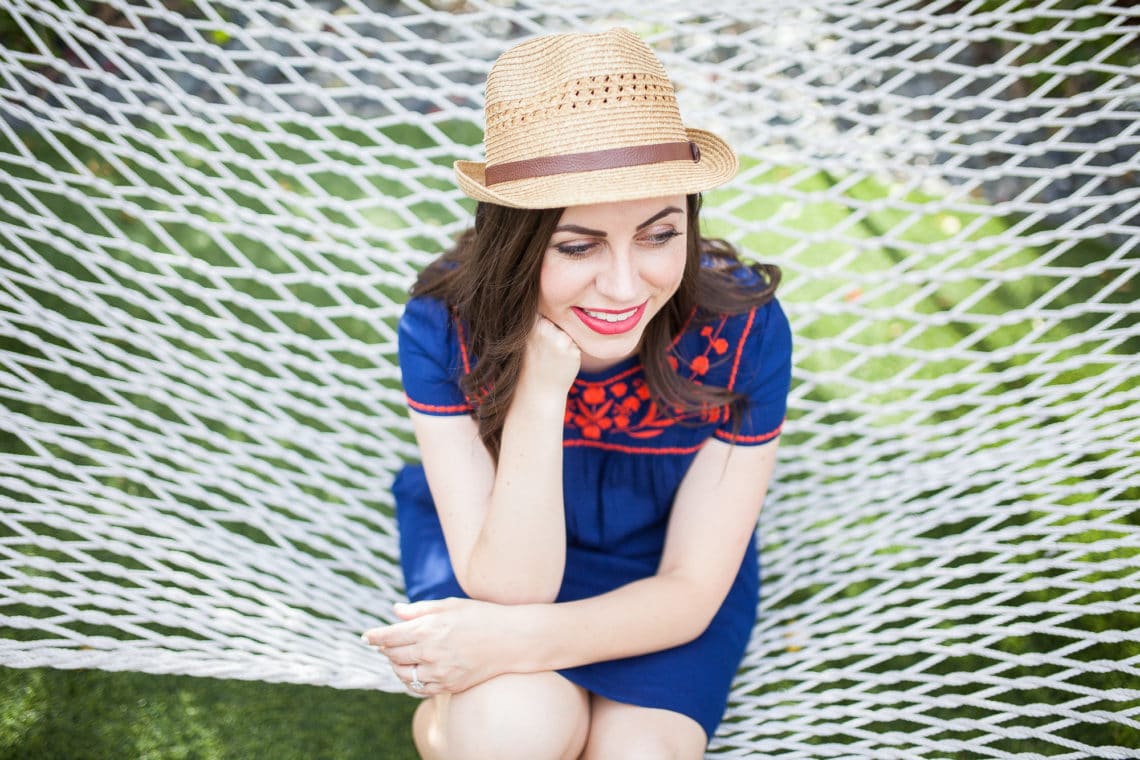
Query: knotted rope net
{"type": "Point", "coordinates": [210, 213]}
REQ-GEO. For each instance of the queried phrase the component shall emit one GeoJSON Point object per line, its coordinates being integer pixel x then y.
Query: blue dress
{"type": "Point", "coordinates": [623, 461]}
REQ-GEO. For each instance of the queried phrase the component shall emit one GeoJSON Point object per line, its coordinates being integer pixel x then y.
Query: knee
{"type": "Point", "coordinates": [652, 747]}
{"type": "Point", "coordinates": [635, 746]}
{"type": "Point", "coordinates": [539, 715]}
{"type": "Point", "coordinates": [642, 733]}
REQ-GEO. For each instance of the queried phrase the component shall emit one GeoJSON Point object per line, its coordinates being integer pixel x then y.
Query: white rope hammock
{"type": "Point", "coordinates": [210, 213]}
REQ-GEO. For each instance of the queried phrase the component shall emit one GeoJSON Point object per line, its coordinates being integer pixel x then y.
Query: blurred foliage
{"type": "Point", "coordinates": [31, 36]}
{"type": "Point", "coordinates": [1052, 25]}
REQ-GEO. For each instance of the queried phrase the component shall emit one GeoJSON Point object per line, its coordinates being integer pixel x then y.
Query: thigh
{"type": "Point", "coordinates": [629, 731]}
{"type": "Point", "coordinates": [517, 715]}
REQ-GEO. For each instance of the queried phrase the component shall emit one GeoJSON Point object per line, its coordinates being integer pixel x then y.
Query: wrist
{"type": "Point", "coordinates": [539, 400]}
{"type": "Point", "coordinates": [534, 642]}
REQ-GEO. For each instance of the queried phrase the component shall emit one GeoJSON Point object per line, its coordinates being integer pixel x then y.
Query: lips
{"type": "Point", "coordinates": [610, 321]}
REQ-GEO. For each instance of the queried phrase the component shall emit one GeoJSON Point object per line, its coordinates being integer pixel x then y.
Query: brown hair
{"type": "Point", "coordinates": [490, 281]}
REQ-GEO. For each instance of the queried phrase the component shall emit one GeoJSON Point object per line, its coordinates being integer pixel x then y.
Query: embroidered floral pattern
{"type": "Point", "coordinates": [622, 403]}
{"type": "Point", "coordinates": [717, 346]}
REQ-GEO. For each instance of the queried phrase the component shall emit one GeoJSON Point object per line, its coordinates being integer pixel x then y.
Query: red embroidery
{"type": "Point", "coordinates": [716, 346]}
{"type": "Point", "coordinates": [740, 348]}
{"type": "Point", "coordinates": [762, 438]}
{"type": "Point", "coordinates": [463, 347]}
{"type": "Point", "coordinates": [435, 408]}
{"type": "Point", "coordinates": [622, 403]}
{"type": "Point", "coordinates": [634, 449]}
{"type": "Point", "coordinates": [595, 408]}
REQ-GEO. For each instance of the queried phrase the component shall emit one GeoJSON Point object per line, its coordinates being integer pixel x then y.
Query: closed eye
{"type": "Point", "coordinates": [575, 249]}
{"type": "Point", "coordinates": [661, 238]}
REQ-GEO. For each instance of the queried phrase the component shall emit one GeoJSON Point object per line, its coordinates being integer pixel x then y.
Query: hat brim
{"type": "Point", "coordinates": [716, 166]}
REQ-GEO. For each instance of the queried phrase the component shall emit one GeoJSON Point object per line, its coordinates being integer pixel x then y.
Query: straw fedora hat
{"type": "Point", "coordinates": [573, 119]}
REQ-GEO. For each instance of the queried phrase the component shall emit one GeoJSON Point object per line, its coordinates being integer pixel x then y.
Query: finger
{"type": "Point", "coordinates": [414, 610]}
{"type": "Point", "coordinates": [408, 675]}
{"type": "Point", "coordinates": [430, 689]}
{"type": "Point", "coordinates": [550, 329]}
{"type": "Point", "coordinates": [404, 655]}
{"type": "Point", "coordinates": [388, 636]}
{"type": "Point", "coordinates": [404, 673]}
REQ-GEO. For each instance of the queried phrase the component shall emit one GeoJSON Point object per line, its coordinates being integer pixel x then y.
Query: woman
{"type": "Point", "coordinates": [596, 392]}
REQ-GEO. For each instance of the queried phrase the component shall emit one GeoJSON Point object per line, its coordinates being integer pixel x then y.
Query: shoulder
{"type": "Point", "coordinates": [428, 329]}
{"type": "Point", "coordinates": [432, 358]}
{"type": "Point", "coordinates": [726, 267]}
{"type": "Point", "coordinates": [425, 309]}
{"type": "Point", "coordinates": [765, 322]}
{"type": "Point", "coordinates": [429, 320]}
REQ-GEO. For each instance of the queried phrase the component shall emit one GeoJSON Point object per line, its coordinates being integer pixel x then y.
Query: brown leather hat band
{"type": "Point", "coordinates": [612, 158]}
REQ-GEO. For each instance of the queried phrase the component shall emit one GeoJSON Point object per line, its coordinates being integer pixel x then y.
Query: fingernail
{"type": "Point", "coordinates": [364, 639]}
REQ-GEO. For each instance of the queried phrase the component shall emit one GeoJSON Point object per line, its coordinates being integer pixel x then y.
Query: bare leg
{"type": "Point", "coordinates": [425, 727]}
{"type": "Point", "coordinates": [534, 716]}
{"type": "Point", "coordinates": [641, 733]}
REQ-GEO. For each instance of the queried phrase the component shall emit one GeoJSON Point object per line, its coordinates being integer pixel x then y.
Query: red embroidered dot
{"type": "Point", "coordinates": [594, 395]}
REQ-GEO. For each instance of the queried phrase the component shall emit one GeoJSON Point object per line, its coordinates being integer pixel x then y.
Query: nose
{"type": "Point", "coordinates": [617, 280]}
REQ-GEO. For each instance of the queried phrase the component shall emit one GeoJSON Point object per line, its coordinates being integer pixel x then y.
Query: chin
{"type": "Point", "coordinates": [597, 350]}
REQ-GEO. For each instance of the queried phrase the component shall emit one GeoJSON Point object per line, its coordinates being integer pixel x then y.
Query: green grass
{"type": "Point", "coordinates": [47, 714]}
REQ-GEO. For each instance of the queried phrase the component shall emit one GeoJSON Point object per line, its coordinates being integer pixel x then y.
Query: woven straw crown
{"type": "Point", "coordinates": [573, 119]}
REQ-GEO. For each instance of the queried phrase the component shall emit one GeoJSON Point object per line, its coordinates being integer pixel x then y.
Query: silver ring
{"type": "Point", "coordinates": [416, 683]}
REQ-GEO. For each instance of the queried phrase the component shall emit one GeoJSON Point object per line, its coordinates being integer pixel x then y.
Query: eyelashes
{"type": "Point", "coordinates": [575, 250]}
{"type": "Point", "coordinates": [664, 237]}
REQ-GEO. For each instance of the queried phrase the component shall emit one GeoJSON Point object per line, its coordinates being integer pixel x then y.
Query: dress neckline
{"type": "Point", "coordinates": [611, 371]}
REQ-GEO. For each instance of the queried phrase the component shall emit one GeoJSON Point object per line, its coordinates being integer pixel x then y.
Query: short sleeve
{"type": "Point", "coordinates": [761, 371]}
{"type": "Point", "coordinates": [431, 358]}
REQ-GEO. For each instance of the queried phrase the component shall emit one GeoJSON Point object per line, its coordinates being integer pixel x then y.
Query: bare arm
{"type": "Point", "coordinates": [459, 643]}
{"type": "Point", "coordinates": [714, 517]}
{"type": "Point", "coordinates": [505, 525]}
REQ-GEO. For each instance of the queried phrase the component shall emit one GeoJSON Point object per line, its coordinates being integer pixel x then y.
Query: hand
{"type": "Point", "coordinates": [551, 360]}
{"type": "Point", "coordinates": [454, 643]}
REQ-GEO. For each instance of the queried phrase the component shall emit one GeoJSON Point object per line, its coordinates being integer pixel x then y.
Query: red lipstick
{"type": "Point", "coordinates": [606, 326]}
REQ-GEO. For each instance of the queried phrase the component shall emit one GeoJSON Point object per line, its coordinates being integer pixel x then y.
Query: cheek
{"type": "Point", "coordinates": [667, 272]}
{"type": "Point", "coordinates": [555, 286]}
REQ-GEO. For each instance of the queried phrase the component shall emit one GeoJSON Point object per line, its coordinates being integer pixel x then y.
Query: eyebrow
{"type": "Point", "coordinates": [662, 213]}
{"type": "Point", "coordinates": [600, 233]}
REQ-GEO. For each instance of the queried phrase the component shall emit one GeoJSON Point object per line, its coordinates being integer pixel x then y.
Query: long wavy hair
{"type": "Point", "coordinates": [490, 281]}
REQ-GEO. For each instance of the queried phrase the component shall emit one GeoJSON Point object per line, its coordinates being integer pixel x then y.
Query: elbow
{"type": "Point", "coordinates": [701, 605]}
{"type": "Point", "coordinates": [509, 595]}
{"type": "Point", "coordinates": [529, 575]}
{"type": "Point", "coordinates": [693, 627]}
{"type": "Point", "coordinates": [523, 596]}
{"type": "Point", "coordinates": [519, 588]}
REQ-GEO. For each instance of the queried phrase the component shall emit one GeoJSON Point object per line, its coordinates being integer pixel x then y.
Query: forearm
{"type": "Point", "coordinates": [648, 615]}
{"type": "Point", "coordinates": [458, 643]}
{"type": "Point", "coordinates": [519, 554]}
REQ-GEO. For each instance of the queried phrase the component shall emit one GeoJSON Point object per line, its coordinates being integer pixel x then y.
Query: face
{"type": "Point", "coordinates": [609, 269]}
